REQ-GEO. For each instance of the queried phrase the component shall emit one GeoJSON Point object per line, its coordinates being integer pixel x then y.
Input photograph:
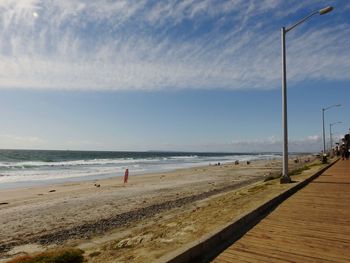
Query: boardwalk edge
{"type": "Point", "coordinates": [208, 248]}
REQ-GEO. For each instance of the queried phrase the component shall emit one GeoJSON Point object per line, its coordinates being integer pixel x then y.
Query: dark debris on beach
{"type": "Point", "coordinates": [86, 231]}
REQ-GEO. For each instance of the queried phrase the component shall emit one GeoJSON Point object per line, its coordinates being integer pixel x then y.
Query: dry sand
{"type": "Point", "coordinates": [150, 217]}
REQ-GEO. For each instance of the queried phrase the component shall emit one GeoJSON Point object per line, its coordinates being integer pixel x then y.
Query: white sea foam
{"type": "Point", "coordinates": [33, 164]}
{"type": "Point", "coordinates": [38, 172]}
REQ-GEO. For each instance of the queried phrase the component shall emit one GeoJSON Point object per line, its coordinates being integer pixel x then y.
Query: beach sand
{"type": "Point", "coordinates": [151, 216]}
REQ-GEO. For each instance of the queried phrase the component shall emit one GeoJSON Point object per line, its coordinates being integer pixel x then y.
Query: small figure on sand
{"type": "Point", "coordinates": [126, 176]}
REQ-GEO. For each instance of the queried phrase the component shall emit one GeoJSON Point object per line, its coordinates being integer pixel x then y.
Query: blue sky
{"type": "Point", "coordinates": [170, 75]}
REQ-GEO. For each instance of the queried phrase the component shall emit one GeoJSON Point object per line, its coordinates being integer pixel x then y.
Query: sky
{"type": "Point", "coordinates": [174, 75]}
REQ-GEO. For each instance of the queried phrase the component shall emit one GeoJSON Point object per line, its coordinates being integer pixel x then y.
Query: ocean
{"type": "Point", "coordinates": [25, 168]}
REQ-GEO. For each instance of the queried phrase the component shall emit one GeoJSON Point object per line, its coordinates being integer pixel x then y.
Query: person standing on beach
{"type": "Point", "coordinates": [126, 175]}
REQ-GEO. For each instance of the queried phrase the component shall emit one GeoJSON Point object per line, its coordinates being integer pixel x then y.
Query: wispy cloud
{"type": "Point", "coordinates": [154, 45]}
{"type": "Point", "coordinates": [312, 143]}
{"type": "Point", "coordinates": [16, 141]}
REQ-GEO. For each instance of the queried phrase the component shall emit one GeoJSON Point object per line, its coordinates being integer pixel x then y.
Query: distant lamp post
{"type": "Point", "coordinates": [285, 177]}
{"type": "Point", "coordinates": [324, 157]}
{"type": "Point", "coordinates": [330, 133]}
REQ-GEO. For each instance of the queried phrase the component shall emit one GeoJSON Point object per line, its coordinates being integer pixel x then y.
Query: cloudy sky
{"type": "Point", "coordinates": [170, 75]}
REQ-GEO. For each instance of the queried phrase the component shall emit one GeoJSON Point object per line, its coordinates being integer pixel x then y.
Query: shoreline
{"type": "Point", "coordinates": [16, 181]}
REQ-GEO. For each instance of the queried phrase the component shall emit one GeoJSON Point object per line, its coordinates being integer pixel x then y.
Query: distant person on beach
{"type": "Point", "coordinates": [337, 151]}
{"type": "Point", "coordinates": [342, 151]}
{"type": "Point", "coordinates": [346, 152]}
{"type": "Point", "coordinates": [126, 176]}
{"type": "Point", "coordinates": [344, 148]}
{"type": "Point", "coordinates": [346, 144]}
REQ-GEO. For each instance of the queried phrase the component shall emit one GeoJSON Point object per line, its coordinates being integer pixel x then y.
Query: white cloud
{"type": "Point", "coordinates": [23, 142]}
{"type": "Point", "coordinates": [312, 143]}
{"type": "Point", "coordinates": [140, 45]}
{"type": "Point", "coordinates": [313, 138]}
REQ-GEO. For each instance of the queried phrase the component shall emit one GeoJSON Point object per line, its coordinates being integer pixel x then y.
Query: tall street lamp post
{"type": "Point", "coordinates": [324, 155]}
{"type": "Point", "coordinates": [330, 133]}
{"type": "Point", "coordinates": [285, 177]}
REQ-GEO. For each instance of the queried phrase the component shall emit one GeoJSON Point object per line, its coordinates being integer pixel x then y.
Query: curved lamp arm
{"type": "Point", "coordinates": [334, 105]}
{"type": "Point", "coordinates": [320, 12]}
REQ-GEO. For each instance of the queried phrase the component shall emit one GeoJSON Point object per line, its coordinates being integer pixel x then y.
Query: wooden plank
{"type": "Point", "coordinates": [311, 226]}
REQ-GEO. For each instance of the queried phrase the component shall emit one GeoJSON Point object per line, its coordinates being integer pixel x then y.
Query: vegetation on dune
{"type": "Point", "coordinates": [291, 173]}
{"type": "Point", "coordinates": [58, 256]}
{"type": "Point", "coordinates": [299, 170]}
{"type": "Point", "coordinates": [272, 177]}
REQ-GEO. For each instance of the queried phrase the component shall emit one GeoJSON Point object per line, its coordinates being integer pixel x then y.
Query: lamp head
{"type": "Point", "coordinates": [337, 122]}
{"type": "Point", "coordinates": [325, 10]}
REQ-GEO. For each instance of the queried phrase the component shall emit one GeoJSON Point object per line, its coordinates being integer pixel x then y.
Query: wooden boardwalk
{"type": "Point", "coordinates": [313, 225]}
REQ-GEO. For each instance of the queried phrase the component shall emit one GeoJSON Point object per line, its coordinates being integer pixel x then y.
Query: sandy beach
{"type": "Point", "coordinates": [110, 220]}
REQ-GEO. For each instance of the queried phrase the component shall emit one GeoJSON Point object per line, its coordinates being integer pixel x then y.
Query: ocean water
{"type": "Point", "coordinates": [24, 168]}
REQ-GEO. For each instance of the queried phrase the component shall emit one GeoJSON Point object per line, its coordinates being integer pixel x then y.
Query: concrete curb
{"type": "Point", "coordinates": [208, 248]}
